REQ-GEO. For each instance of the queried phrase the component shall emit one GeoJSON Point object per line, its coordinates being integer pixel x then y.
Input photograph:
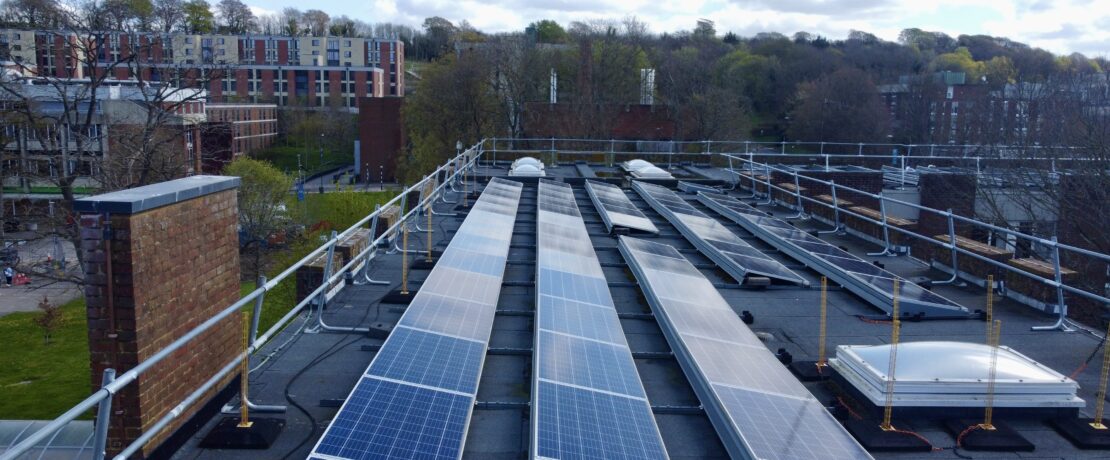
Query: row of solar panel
{"type": "Point", "coordinates": [616, 209]}
{"type": "Point", "coordinates": [415, 399]}
{"type": "Point", "coordinates": [758, 408]}
{"type": "Point", "coordinates": [587, 395]}
{"type": "Point", "coordinates": [726, 249]}
{"type": "Point", "coordinates": [914, 298]}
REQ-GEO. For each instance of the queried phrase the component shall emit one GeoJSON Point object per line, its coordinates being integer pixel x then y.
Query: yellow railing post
{"type": "Point", "coordinates": [988, 412]}
{"type": "Point", "coordinates": [1100, 400]}
{"type": "Point", "coordinates": [990, 306]}
{"type": "Point", "coordinates": [896, 324]}
{"type": "Point", "coordinates": [821, 360]}
{"type": "Point", "coordinates": [244, 384]}
{"type": "Point", "coordinates": [404, 259]}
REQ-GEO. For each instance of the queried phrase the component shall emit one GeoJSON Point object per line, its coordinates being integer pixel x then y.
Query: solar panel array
{"type": "Point", "coordinates": [726, 249]}
{"type": "Point", "coordinates": [757, 407]}
{"type": "Point", "coordinates": [587, 398]}
{"type": "Point", "coordinates": [616, 209]}
{"type": "Point", "coordinates": [415, 399]}
{"type": "Point", "coordinates": [865, 279]}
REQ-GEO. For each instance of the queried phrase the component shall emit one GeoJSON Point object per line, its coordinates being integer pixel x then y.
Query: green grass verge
{"type": "Point", "coordinates": [40, 380]}
{"type": "Point", "coordinates": [50, 190]}
{"type": "Point", "coordinates": [43, 380]}
{"type": "Point", "coordinates": [284, 158]}
{"type": "Point", "coordinates": [342, 209]}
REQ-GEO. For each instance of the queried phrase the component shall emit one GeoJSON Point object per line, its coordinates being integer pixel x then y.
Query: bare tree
{"type": "Point", "coordinates": [236, 15]}
{"type": "Point", "coordinates": [168, 14]}
{"type": "Point", "coordinates": [316, 22]}
{"type": "Point", "coordinates": [79, 128]}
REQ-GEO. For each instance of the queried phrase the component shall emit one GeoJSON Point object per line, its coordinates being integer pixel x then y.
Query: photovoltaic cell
{"type": "Point", "coordinates": [616, 209]}
{"type": "Point", "coordinates": [588, 401]}
{"type": "Point", "coordinates": [870, 282]}
{"type": "Point", "coordinates": [384, 419]}
{"type": "Point", "coordinates": [415, 399]}
{"type": "Point", "coordinates": [757, 406]}
{"type": "Point", "coordinates": [430, 359]}
{"type": "Point", "coordinates": [575, 423]}
{"type": "Point", "coordinates": [712, 238]}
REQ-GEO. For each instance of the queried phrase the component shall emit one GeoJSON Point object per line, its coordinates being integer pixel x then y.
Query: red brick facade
{"type": "Point", "coordinates": [171, 268]}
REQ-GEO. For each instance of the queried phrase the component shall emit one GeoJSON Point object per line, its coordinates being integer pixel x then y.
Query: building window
{"type": "Point", "coordinates": [219, 41]}
{"type": "Point", "coordinates": [188, 40]}
{"type": "Point", "coordinates": [315, 42]}
{"type": "Point", "coordinates": [347, 54]}
{"type": "Point", "coordinates": [188, 51]}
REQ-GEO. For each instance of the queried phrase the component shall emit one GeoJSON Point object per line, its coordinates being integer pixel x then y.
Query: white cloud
{"type": "Point", "coordinates": [1062, 26]}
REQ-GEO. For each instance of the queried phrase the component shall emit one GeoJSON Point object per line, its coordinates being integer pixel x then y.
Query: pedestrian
{"type": "Point", "coordinates": [8, 274]}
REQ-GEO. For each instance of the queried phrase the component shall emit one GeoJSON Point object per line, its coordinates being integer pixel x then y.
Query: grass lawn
{"type": "Point", "coordinates": [49, 190]}
{"type": "Point", "coordinates": [40, 381]}
{"type": "Point", "coordinates": [284, 158]}
{"type": "Point", "coordinates": [43, 380]}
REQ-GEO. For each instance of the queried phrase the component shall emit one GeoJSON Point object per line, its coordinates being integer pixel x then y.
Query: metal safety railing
{"type": "Point", "coordinates": [952, 245]}
{"type": "Point", "coordinates": [469, 159]}
{"type": "Point", "coordinates": [718, 149]}
{"type": "Point", "coordinates": [112, 383]}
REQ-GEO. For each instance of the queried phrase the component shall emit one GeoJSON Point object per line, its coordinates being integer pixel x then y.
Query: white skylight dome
{"type": "Point", "coordinates": [652, 172]}
{"type": "Point", "coordinates": [636, 165]}
{"type": "Point", "coordinates": [526, 170]}
{"type": "Point", "coordinates": [950, 374]}
{"type": "Point", "coordinates": [528, 161]}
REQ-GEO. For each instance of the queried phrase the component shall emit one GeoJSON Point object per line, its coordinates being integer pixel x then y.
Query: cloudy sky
{"type": "Point", "coordinates": [1061, 26]}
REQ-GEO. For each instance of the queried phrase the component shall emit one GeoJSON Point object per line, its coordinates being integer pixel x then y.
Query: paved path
{"type": "Point", "coordinates": [27, 297]}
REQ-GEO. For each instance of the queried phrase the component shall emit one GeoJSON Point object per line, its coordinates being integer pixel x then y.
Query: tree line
{"type": "Point", "coordinates": [803, 87]}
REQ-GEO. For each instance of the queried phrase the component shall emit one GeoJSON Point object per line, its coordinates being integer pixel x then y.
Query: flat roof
{"type": "Point", "coordinates": [317, 370]}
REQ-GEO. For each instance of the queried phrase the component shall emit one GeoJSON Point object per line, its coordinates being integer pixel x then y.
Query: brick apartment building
{"type": "Point", "coordinates": [123, 108]}
{"type": "Point", "coordinates": [233, 130]}
{"type": "Point", "coordinates": [283, 70]}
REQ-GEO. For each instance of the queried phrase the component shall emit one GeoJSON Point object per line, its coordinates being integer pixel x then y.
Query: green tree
{"type": "Point", "coordinates": [262, 195]}
{"type": "Point", "coordinates": [546, 31]}
{"type": "Point", "coordinates": [199, 18]}
{"type": "Point", "coordinates": [841, 107]}
{"type": "Point", "coordinates": [454, 102]}
{"type": "Point", "coordinates": [959, 60]}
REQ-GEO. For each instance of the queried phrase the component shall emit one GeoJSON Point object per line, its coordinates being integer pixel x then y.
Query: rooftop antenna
{"type": "Point", "coordinates": [554, 96]}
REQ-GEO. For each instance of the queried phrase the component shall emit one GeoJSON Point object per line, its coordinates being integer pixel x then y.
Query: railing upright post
{"type": "Point", "coordinates": [887, 249]}
{"type": "Point", "coordinates": [952, 248]}
{"type": "Point", "coordinates": [103, 416]}
{"type": "Point", "coordinates": [1058, 278]}
{"type": "Point", "coordinates": [798, 196]}
{"type": "Point", "coordinates": [257, 312]}
{"type": "Point", "coordinates": [822, 147]}
{"type": "Point", "coordinates": [860, 152]}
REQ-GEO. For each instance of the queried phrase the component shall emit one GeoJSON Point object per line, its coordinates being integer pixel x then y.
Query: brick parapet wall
{"type": "Point", "coordinates": [172, 267]}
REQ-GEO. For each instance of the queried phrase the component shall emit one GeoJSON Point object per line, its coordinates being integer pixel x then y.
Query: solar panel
{"type": "Point", "coordinates": [727, 250]}
{"type": "Point", "coordinates": [691, 187]}
{"type": "Point", "coordinates": [616, 209]}
{"type": "Point", "coordinates": [866, 280]}
{"type": "Point", "coordinates": [757, 407]}
{"type": "Point", "coordinates": [415, 398]}
{"type": "Point", "coordinates": [587, 398]}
